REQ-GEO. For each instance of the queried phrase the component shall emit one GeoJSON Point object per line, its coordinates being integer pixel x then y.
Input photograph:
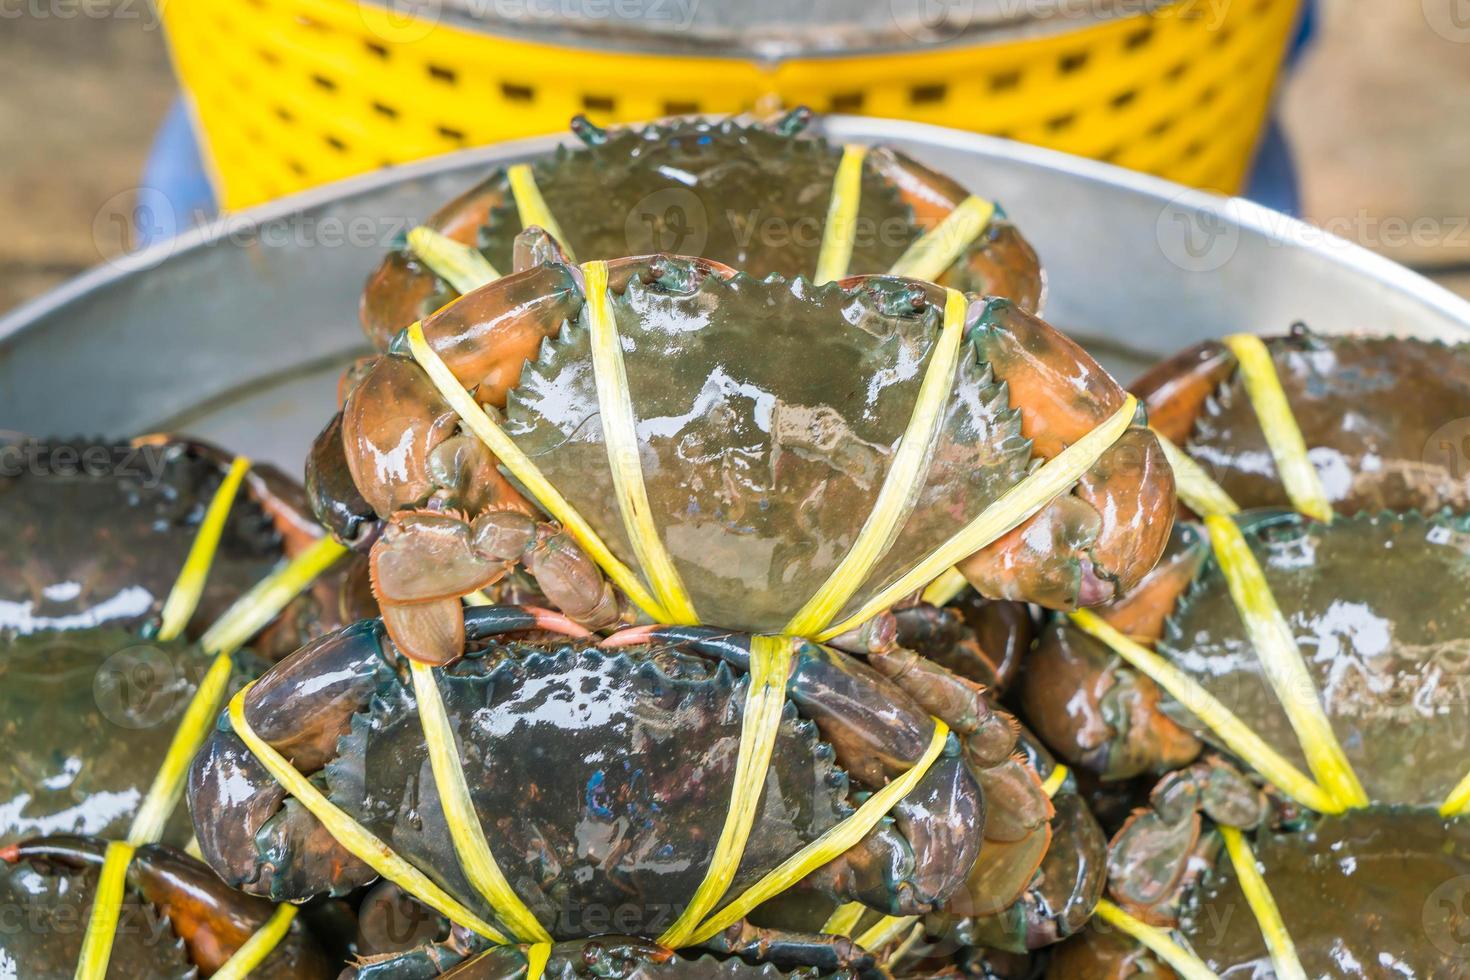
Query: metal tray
{"type": "Point", "coordinates": [237, 331]}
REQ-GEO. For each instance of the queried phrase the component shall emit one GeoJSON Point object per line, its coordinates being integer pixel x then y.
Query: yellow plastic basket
{"type": "Point", "coordinates": [292, 93]}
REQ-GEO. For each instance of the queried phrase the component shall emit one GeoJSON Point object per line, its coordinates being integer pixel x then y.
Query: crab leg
{"type": "Point", "coordinates": [215, 922]}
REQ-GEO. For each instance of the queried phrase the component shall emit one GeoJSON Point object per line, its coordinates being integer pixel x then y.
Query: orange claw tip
{"type": "Point", "coordinates": [10, 853]}
{"type": "Point", "coordinates": [555, 622]}
{"type": "Point", "coordinates": [630, 636]}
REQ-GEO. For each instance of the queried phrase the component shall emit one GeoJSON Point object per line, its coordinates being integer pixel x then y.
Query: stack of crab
{"type": "Point", "coordinates": [731, 521]}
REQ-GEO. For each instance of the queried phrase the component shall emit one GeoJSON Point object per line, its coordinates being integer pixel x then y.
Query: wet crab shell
{"type": "Point", "coordinates": [748, 195]}
{"type": "Point", "coordinates": [1369, 893]}
{"type": "Point", "coordinates": [1385, 419]}
{"type": "Point", "coordinates": [99, 532]}
{"type": "Point", "coordinates": [762, 452]}
{"type": "Point", "coordinates": [1380, 608]}
{"type": "Point", "coordinates": [602, 777]}
{"type": "Point", "coordinates": [86, 717]}
{"type": "Point", "coordinates": [177, 919]}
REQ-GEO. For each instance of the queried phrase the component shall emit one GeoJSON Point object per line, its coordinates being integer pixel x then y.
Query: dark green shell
{"type": "Point", "coordinates": [602, 779]}
{"type": "Point", "coordinates": [1380, 608]}
{"type": "Point", "coordinates": [768, 413]}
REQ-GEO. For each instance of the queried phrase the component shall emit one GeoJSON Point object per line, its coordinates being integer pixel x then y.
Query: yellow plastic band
{"type": "Point", "coordinates": [1459, 799]}
{"type": "Point", "coordinates": [269, 596]}
{"type": "Point", "coordinates": [537, 956]}
{"type": "Point", "coordinates": [261, 944]}
{"type": "Point", "coordinates": [532, 206]}
{"type": "Point", "coordinates": [945, 588]}
{"type": "Point", "coordinates": [1278, 424]}
{"type": "Point", "coordinates": [521, 467]}
{"type": "Point", "coordinates": [1054, 782]}
{"type": "Point", "coordinates": [1263, 906]}
{"type": "Point", "coordinates": [903, 483]}
{"type": "Point", "coordinates": [885, 931]}
{"type": "Point", "coordinates": [357, 839]}
{"type": "Point", "coordinates": [183, 598]}
{"type": "Point", "coordinates": [463, 267]}
{"type": "Point", "coordinates": [465, 829]}
{"type": "Point", "coordinates": [478, 598]}
{"type": "Point", "coordinates": [168, 785]}
{"type": "Point", "coordinates": [620, 436]}
{"type": "Point", "coordinates": [1238, 737]}
{"type": "Point", "coordinates": [839, 235]}
{"type": "Point", "coordinates": [935, 251]}
{"type": "Point", "coordinates": [1282, 663]}
{"type": "Point", "coordinates": [1017, 504]}
{"type": "Point", "coordinates": [828, 846]}
{"type": "Point", "coordinates": [844, 919]}
{"type": "Point", "coordinates": [1193, 485]}
{"type": "Point", "coordinates": [106, 907]}
{"type": "Point", "coordinates": [1159, 942]}
{"type": "Point", "coordinates": [770, 664]}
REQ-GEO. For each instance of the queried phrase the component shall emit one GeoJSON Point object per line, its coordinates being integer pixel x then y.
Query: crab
{"type": "Point", "coordinates": [1386, 420]}
{"type": "Point", "coordinates": [749, 195]}
{"type": "Point", "coordinates": [102, 529]}
{"type": "Point", "coordinates": [90, 694]}
{"type": "Point", "coordinates": [1390, 663]}
{"type": "Point", "coordinates": [605, 778]}
{"type": "Point", "coordinates": [1369, 892]}
{"type": "Point", "coordinates": [401, 938]}
{"type": "Point", "coordinates": [178, 920]}
{"type": "Point", "coordinates": [759, 449]}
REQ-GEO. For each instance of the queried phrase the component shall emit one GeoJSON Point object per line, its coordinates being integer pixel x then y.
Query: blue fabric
{"type": "Point", "coordinates": [176, 193]}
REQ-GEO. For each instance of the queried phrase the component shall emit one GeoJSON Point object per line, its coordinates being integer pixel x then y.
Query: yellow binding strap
{"type": "Point", "coordinates": [770, 664]}
{"type": "Point", "coordinates": [524, 470]}
{"type": "Point", "coordinates": [1278, 424]}
{"type": "Point", "coordinates": [910, 941]}
{"type": "Point", "coordinates": [1159, 942]}
{"type": "Point", "coordinates": [620, 436]}
{"type": "Point", "coordinates": [1054, 781]}
{"type": "Point", "coordinates": [840, 233]}
{"type": "Point", "coordinates": [537, 956]}
{"type": "Point", "coordinates": [1017, 504]}
{"type": "Point", "coordinates": [269, 596]}
{"type": "Point", "coordinates": [462, 266]}
{"type": "Point", "coordinates": [1282, 663]}
{"type": "Point", "coordinates": [1459, 799]}
{"type": "Point", "coordinates": [1194, 486]}
{"type": "Point", "coordinates": [1263, 905]}
{"type": "Point", "coordinates": [828, 846]}
{"type": "Point", "coordinates": [1237, 736]}
{"type": "Point", "coordinates": [356, 838]}
{"type": "Point", "coordinates": [183, 598]}
{"type": "Point", "coordinates": [885, 931]}
{"type": "Point", "coordinates": [106, 906]}
{"type": "Point", "coordinates": [465, 828]}
{"type": "Point", "coordinates": [532, 206]}
{"type": "Point", "coordinates": [168, 785]}
{"type": "Point", "coordinates": [946, 587]}
{"type": "Point", "coordinates": [844, 919]}
{"type": "Point", "coordinates": [904, 482]}
{"type": "Point", "coordinates": [478, 598]}
{"type": "Point", "coordinates": [935, 251]}
{"type": "Point", "coordinates": [261, 944]}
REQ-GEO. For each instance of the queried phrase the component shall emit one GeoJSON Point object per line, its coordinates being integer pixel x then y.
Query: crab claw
{"type": "Point", "coordinates": [213, 921]}
{"type": "Point", "coordinates": [1094, 544]}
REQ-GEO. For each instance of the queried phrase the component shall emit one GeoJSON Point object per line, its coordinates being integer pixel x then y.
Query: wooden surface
{"type": "Point", "coordinates": [1378, 113]}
